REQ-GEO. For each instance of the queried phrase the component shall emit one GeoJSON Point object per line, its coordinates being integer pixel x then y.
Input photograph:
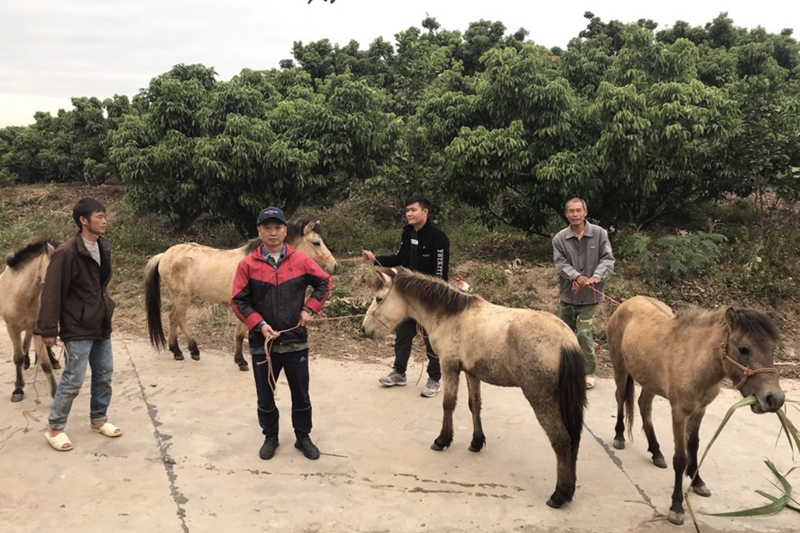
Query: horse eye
{"type": "Point", "coordinates": [378, 299]}
{"type": "Point", "coordinates": [316, 243]}
{"type": "Point", "coordinates": [744, 350]}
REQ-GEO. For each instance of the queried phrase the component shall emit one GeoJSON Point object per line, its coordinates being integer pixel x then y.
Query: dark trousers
{"type": "Point", "coordinates": [405, 333]}
{"type": "Point", "coordinates": [296, 366]}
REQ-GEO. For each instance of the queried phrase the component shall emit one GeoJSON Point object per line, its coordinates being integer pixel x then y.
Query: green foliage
{"type": "Point", "coordinates": [684, 254]}
{"type": "Point", "coordinates": [488, 275]}
{"type": "Point", "coordinates": [226, 149]}
{"type": "Point", "coordinates": [342, 303]}
{"type": "Point", "coordinates": [671, 257]}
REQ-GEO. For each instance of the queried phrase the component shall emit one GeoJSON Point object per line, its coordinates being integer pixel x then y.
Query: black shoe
{"type": "Point", "coordinates": [267, 450]}
{"type": "Point", "coordinates": [307, 447]}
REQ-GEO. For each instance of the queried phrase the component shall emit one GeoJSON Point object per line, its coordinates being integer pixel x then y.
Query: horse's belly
{"type": "Point", "coordinates": [493, 374]}
{"type": "Point", "coordinates": [647, 369]}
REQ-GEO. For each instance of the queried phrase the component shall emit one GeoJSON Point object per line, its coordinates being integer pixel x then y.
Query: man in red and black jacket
{"type": "Point", "coordinates": [269, 297]}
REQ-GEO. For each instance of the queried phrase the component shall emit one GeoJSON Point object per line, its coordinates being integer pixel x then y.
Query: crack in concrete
{"type": "Point", "coordinates": [163, 448]}
{"type": "Point", "coordinates": [618, 463]}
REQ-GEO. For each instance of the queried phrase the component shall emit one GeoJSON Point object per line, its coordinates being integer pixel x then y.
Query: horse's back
{"type": "Point", "coordinates": [638, 336]}
{"type": "Point", "coordinates": [518, 341]}
{"type": "Point", "coordinates": [191, 268]}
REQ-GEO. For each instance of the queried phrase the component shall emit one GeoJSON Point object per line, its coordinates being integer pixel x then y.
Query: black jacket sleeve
{"type": "Point", "coordinates": [402, 252]}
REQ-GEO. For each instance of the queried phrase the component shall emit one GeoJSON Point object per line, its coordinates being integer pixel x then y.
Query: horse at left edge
{"type": "Point", "coordinates": [20, 300]}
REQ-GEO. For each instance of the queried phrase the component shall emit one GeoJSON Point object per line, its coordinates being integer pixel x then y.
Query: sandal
{"type": "Point", "coordinates": [109, 430]}
{"type": "Point", "coordinates": [59, 442]}
{"type": "Point", "coordinates": [590, 382]}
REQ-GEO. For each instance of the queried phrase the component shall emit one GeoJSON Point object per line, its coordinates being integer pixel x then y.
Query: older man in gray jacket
{"type": "Point", "coordinates": [583, 259]}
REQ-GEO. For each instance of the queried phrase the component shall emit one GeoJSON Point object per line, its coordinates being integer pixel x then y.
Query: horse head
{"type": "Point", "coordinates": [387, 309]}
{"type": "Point", "coordinates": [306, 236]}
{"type": "Point", "coordinates": [747, 357]}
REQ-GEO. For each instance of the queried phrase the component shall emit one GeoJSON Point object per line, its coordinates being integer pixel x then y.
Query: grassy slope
{"type": "Point", "coordinates": [502, 266]}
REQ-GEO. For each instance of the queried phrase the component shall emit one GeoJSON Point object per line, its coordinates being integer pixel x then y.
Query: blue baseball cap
{"type": "Point", "coordinates": [271, 212]}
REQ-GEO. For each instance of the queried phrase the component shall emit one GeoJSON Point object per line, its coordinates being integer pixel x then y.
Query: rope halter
{"type": "Point", "coordinates": [746, 371]}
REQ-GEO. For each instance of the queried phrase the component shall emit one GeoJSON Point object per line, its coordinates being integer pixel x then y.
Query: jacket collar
{"type": "Point", "coordinates": [588, 231]}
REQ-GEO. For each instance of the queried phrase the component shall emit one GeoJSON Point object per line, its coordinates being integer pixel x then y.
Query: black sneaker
{"type": "Point", "coordinates": [267, 450]}
{"type": "Point", "coordinates": [307, 447]}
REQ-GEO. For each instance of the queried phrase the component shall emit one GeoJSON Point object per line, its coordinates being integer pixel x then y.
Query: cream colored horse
{"type": "Point", "coordinates": [533, 350]}
{"type": "Point", "coordinates": [191, 269]}
{"type": "Point", "coordinates": [684, 359]}
{"type": "Point", "coordinates": [20, 294]}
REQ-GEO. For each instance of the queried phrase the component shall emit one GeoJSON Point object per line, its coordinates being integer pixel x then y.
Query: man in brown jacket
{"type": "Point", "coordinates": [75, 307]}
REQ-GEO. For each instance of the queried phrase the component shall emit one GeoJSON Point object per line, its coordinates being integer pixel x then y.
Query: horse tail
{"type": "Point", "coordinates": [571, 393]}
{"type": "Point", "coordinates": [629, 410]}
{"type": "Point", "coordinates": [153, 303]}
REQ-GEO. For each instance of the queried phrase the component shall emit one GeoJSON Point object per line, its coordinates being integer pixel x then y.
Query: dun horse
{"type": "Point", "coordinates": [533, 350]}
{"type": "Point", "coordinates": [193, 270]}
{"type": "Point", "coordinates": [20, 292]}
{"type": "Point", "coordinates": [684, 359]}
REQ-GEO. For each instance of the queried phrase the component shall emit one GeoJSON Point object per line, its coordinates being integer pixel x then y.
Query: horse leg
{"type": "Point", "coordinates": [624, 395]}
{"type": "Point", "coordinates": [54, 364]}
{"type": "Point", "coordinates": [646, 410]}
{"type": "Point", "coordinates": [179, 307]}
{"type": "Point", "coordinates": [693, 443]}
{"type": "Point", "coordinates": [546, 409]}
{"type": "Point", "coordinates": [238, 339]}
{"type": "Point", "coordinates": [474, 389]}
{"type": "Point", "coordinates": [679, 423]}
{"type": "Point", "coordinates": [45, 357]}
{"type": "Point", "coordinates": [26, 347]}
{"type": "Point", "coordinates": [450, 374]}
{"type": "Point", "coordinates": [19, 361]}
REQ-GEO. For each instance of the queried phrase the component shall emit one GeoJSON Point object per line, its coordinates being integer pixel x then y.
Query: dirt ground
{"type": "Point", "coordinates": [187, 460]}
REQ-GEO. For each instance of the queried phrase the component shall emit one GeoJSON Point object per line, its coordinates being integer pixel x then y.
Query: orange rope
{"type": "Point", "coordinates": [576, 287]}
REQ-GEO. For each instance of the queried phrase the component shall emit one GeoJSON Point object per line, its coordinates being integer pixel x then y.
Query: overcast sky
{"type": "Point", "coordinates": [51, 50]}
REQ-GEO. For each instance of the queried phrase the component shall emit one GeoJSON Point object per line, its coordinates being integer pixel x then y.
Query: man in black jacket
{"type": "Point", "coordinates": [76, 307]}
{"type": "Point", "coordinates": [423, 248]}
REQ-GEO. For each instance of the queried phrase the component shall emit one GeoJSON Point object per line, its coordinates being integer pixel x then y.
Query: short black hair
{"type": "Point", "coordinates": [422, 200]}
{"type": "Point", "coordinates": [84, 208]}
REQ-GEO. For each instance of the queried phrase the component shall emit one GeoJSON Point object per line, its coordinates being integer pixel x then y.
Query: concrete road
{"type": "Point", "coordinates": [188, 459]}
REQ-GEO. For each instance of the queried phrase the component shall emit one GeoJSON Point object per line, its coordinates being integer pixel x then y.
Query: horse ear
{"type": "Point", "coordinates": [309, 228]}
{"type": "Point", "coordinates": [732, 318]}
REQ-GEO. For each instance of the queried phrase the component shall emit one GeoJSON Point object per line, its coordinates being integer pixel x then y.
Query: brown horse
{"type": "Point", "coordinates": [20, 293]}
{"type": "Point", "coordinates": [684, 359]}
{"type": "Point", "coordinates": [191, 269]}
{"type": "Point", "coordinates": [533, 350]}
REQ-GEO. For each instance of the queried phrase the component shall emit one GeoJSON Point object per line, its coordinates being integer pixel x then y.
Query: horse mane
{"type": "Point", "coordinates": [31, 251]}
{"type": "Point", "coordinates": [294, 231]}
{"type": "Point", "coordinates": [751, 321]}
{"type": "Point", "coordinates": [251, 245]}
{"type": "Point", "coordinates": [431, 291]}
{"type": "Point", "coordinates": [757, 324]}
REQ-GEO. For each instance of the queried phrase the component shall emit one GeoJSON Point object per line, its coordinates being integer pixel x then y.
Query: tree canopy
{"type": "Point", "coordinates": [640, 121]}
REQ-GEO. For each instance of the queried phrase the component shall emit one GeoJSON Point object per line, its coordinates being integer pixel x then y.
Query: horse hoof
{"type": "Point", "coordinates": [702, 490]}
{"type": "Point", "coordinates": [243, 367]}
{"type": "Point", "coordinates": [554, 505]}
{"type": "Point", "coordinates": [619, 444]}
{"type": "Point", "coordinates": [659, 462]}
{"type": "Point", "coordinates": [17, 396]}
{"type": "Point", "coordinates": [437, 447]}
{"type": "Point", "coordinates": [179, 357]}
{"type": "Point", "coordinates": [675, 518]}
{"type": "Point", "coordinates": [196, 356]}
